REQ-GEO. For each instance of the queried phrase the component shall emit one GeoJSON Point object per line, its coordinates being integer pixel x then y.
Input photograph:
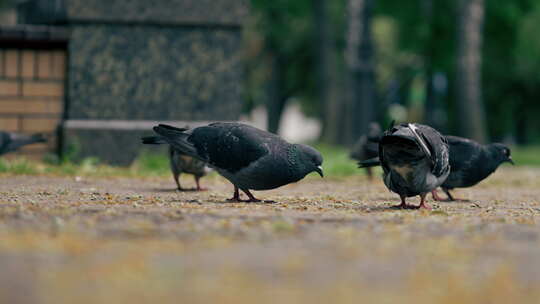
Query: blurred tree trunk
{"type": "Point", "coordinates": [360, 99]}
{"type": "Point", "coordinates": [430, 105]}
{"type": "Point", "coordinates": [331, 107]}
{"type": "Point", "coordinates": [277, 97]}
{"type": "Point", "coordinates": [469, 62]}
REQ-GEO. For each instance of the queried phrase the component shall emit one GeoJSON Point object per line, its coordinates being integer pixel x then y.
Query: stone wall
{"type": "Point", "coordinates": [186, 12]}
{"type": "Point", "coordinates": [154, 73]}
{"type": "Point", "coordinates": [161, 12]}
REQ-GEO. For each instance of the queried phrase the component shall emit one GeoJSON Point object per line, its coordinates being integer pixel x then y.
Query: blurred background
{"type": "Point", "coordinates": [94, 75]}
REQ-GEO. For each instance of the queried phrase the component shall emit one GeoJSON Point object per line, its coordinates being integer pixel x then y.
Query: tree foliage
{"type": "Point", "coordinates": [414, 42]}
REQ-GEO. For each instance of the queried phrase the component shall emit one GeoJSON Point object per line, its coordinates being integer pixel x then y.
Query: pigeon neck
{"type": "Point", "coordinates": [494, 158]}
{"type": "Point", "coordinates": [297, 164]}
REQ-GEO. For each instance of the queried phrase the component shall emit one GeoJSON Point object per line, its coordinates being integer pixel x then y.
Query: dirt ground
{"type": "Point", "coordinates": [120, 240]}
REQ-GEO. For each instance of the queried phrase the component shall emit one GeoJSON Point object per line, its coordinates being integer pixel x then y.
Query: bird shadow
{"type": "Point", "coordinates": [176, 190]}
{"type": "Point", "coordinates": [262, 202]}
{"type": "Point", "coordinates": [390, 208]}
{"type": "Point", "coordinates": [457, 200]}
{"type": "Point", "coordinates": [386, 208]}
{"type": "Point", "coordinates": [376, 209]}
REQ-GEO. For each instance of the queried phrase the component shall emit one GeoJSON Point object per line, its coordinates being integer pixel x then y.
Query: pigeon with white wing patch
{"type": "Point", "coordinates": [414, 159]}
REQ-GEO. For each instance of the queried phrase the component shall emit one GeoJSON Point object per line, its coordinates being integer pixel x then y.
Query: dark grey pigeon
{"type": "Point", "coordinates": [471, 163]}
{"type": "Point", "coordinates": [251, 159]}
{"type": "Point", "coordinates": [414, 159]}
{"type": "Point", "coordinates": [10, 142]}
{"type": "Point", "coordinates": [180, 163]}
{"type": "Point", "coordinates": [367, 146]}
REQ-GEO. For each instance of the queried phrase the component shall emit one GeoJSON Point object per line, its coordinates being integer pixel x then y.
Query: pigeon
{"type": "Point", "coordinates": [250, 158]}
{"type": "Point", "coordinates": [180, 163]}
{"type": "Point", "coordinates": [415, 160]}
{"type": "Point", "coordinates": [10, 142]}
{"type": "Point", "coordinates": [471, 163]}
{"type": "Point", "coordinates": [367, 146]}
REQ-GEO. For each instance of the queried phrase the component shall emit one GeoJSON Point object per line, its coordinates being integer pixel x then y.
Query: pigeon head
{"type": "Point", "coordinates": [501, 153]}
{"type": "Point", "coordinates": [308, 159]}
{"type": "Point", "coordinates": [374, 130]}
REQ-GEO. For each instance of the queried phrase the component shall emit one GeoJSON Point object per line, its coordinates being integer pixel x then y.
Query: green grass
{"type": "Point", "coordinates": [87, 167]}
{"type": "Point", "coordinates": [147, 164]}
{"type": "Point", "coordinates": [336, 164]}
{"type": "Point", "coordinates": [526, 155]}
{"type": "Point", "coordinates": [18, 166]}
{"type": "Point", "coordinates": [151, 164]}
{"type": "Point", "coordinates": [337, 161]}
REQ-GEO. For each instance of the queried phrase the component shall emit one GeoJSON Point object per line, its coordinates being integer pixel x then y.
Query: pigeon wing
{"type": "Point", "coordinates": [463, 152]}
{"type": "Point", "coordinates": [438, 147]}
{"type": "Point", "coordinates": [233, 146]}
{"type": "Point", "coordinates": [357, 152]}
{"type": "Point", "coordinates": [465, 160]}
{"type": "Point", "coordinates": [382, 159]}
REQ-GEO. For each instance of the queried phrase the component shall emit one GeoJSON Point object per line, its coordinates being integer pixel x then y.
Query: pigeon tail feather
{"type": "Point", "coordinates": [368, 163]}
{"type": "Point", "coordinates": [38, 137]}
{"type": "Point", "coordinates": [168, 127]}
{"type": "Point", "coordinates": [178, 139]}
{"type": "Point", "coordinates": [153, 140]}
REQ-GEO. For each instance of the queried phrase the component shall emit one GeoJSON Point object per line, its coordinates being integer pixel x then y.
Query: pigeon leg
{"type": "Point", "coordinates": [251, 197]}
{"type": "Point", "coordinates": [403, 204]}
{"type": "Point", "coordinates": [450, 197]}
{"type": "Point", "coordinates": [369, 172]}
{"type": "Point", "coordinates": [199, 188]}
{"type": "Point", "coordinates": [436, 196]}
{"type": "Point", "coordinates": [423, 204]}
{"type": "Point", "coordinates": [236, 196]}
{"type": "Point", "coordinates": [175, 176]}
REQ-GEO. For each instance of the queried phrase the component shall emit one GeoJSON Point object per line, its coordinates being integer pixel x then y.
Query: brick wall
{"type": "Point", "coordinates": [32, 94]}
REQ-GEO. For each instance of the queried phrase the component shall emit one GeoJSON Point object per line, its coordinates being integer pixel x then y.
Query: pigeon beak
{"type": "Point", "coordinates": [319, 170]}
{"type": "Point", "coordinates": [510, 160]}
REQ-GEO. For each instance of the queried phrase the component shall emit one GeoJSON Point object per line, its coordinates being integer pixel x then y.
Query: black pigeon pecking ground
{"type": "Point", "coordinates": [251, 159]}
{"type": "Point", "coordinates": [10, 142]}
{"type": "Point", "coordinates": [471, 163]}
{"type": "Point", "coordinates": [414, 159]}
{"type": "Point", "coordinates": [367, 146]}
{"type": "Point", "coordinates": [180, 163]}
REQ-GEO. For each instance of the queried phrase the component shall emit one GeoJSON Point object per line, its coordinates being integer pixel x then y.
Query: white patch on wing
{"type": "Point", "coordinates": [413, 128]}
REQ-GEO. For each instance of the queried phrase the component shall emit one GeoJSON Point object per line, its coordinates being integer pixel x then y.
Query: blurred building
{"type": "Point", "coordinates": [102, 73]}
{"type": "Point", "coordinates": [32, 82]}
